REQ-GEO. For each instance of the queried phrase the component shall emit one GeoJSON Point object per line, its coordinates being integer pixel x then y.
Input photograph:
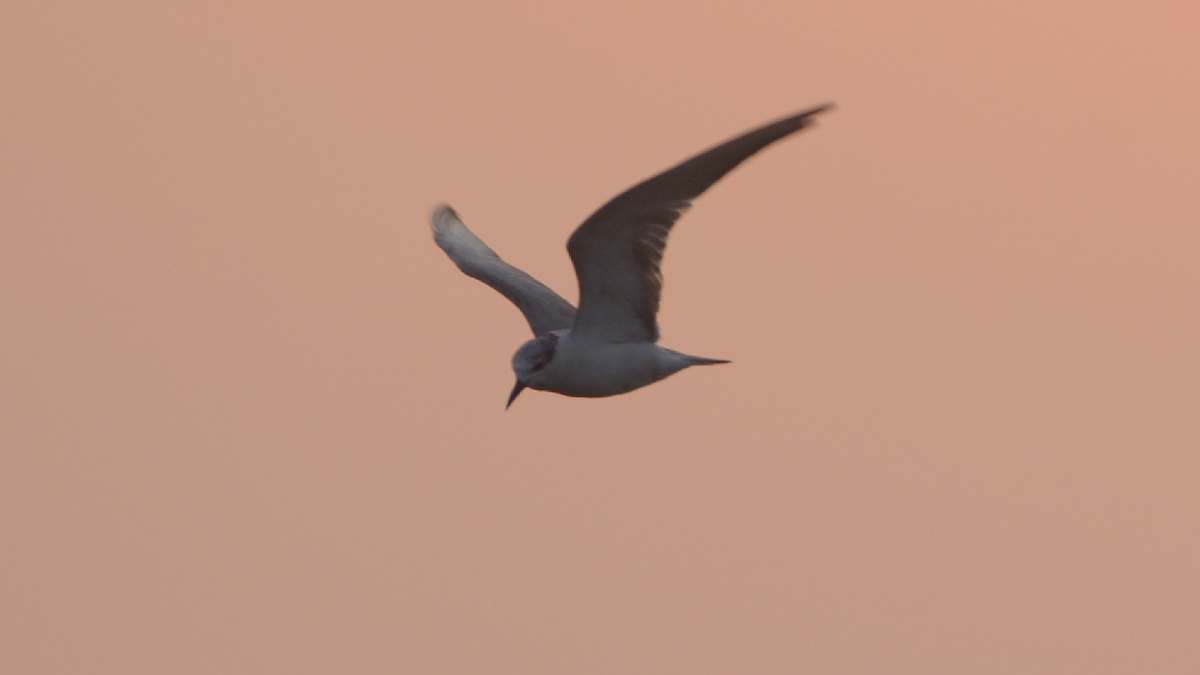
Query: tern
{"type": "Point", "coordinates": [609, 346]}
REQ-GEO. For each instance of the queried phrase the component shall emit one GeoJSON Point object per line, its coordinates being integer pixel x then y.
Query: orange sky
{"type": "Point", "coordinates": [253, 420]}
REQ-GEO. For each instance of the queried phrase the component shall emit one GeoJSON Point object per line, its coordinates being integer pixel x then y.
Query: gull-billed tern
{"type": "Point", "coordinates": [607, 347]}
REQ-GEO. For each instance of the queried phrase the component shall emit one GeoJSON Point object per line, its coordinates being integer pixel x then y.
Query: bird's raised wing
{"type": "Point", "coordinates": [618, 250]}
{"type": "Point", "coordinates": [544, 309]}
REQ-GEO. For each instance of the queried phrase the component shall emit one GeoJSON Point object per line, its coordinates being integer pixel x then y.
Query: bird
{"type": "Point", "coordinates": [609, 345]}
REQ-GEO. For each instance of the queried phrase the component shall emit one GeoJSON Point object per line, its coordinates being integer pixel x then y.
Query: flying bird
{"type": "Point", "coordinates": [609, 345]}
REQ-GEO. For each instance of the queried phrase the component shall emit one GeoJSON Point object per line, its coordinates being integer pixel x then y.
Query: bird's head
{"type": "Point", "coordinates": [531, 358]}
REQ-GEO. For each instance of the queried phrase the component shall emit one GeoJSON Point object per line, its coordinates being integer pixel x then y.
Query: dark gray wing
{"type": "Point", "coordinates": [617, 251]}
{"type": "Point", "coordinates": [544, 309]}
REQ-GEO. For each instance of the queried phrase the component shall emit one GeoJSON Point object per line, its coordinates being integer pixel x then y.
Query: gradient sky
{"type": "Point", "coordinates": [253, 419]}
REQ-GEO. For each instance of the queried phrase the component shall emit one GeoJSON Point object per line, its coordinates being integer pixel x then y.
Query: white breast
{"type": "Point", "coordinates": [592, 369]}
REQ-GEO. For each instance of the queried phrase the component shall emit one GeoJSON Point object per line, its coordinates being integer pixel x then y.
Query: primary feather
{"type": "Point", "coordinates": [617, 252]}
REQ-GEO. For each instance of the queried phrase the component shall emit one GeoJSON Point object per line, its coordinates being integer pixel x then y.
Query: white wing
{"type": "Point", "coordinates": [544, 309]}
{"type": "Point", "coordinates": [618, 250]}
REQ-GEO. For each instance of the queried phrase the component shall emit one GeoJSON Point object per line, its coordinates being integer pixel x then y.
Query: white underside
{"type": "Point", "coordinates": [592, 369]}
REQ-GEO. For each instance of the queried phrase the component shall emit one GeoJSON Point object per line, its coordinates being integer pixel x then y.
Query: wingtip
{"type": "Point", "coordinates": [452, 236]}
{"type": "Point", "coordinates": [442, 217]}
{"type": "Point", "coordinates": [444, 221]}
{"type": "Point", "coordinates": [808, 116]}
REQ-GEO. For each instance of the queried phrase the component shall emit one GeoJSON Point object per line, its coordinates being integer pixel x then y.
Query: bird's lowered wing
{"type": "Point", "coordinates": [544, 309]}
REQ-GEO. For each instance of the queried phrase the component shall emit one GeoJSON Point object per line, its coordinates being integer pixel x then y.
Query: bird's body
{"type": "Point", "coordinates": [608, 346]}
{"type": "Point", "coordinates": [593, 368]}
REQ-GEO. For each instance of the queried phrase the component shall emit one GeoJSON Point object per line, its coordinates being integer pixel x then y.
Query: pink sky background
{"type": "Point", "coordinates": [252, 419]}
